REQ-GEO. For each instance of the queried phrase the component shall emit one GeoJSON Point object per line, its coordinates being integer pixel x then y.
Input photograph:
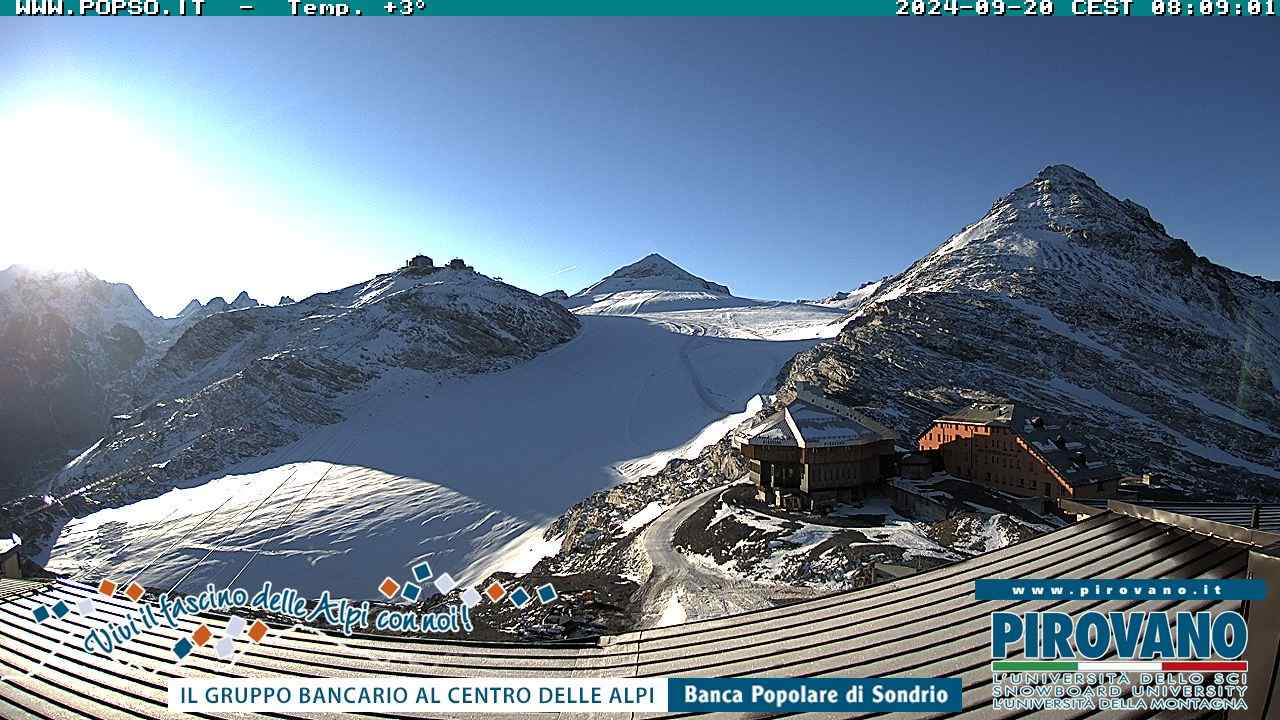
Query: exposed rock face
{"type": "Point", "coordinates": [556, 295]}
{"type": "Point", "coordinates": [1079, 303]}
{"type": "Point", "coordinates": [72, 344]}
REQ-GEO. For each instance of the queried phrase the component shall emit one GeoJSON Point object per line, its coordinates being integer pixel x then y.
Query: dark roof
{"type": "Point", "coordinates": [925, 625]}
{"type": "Point", "coordinates": [1000, 413]}
{"type": "Point", "coordinates": [1071, 455]}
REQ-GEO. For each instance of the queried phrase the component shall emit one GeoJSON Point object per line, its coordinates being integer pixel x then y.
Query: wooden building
{"type": "Point", "coordinates": [1010, 448]}
{"type": "Point", "coordinates": [816, 452]}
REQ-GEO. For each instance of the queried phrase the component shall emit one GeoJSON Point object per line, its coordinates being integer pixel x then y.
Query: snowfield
{"type": "Point", "coordinates": [461, 471]}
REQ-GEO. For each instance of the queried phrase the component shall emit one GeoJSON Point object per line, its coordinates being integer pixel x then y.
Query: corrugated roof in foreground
{"type": "Point", "coordinates": [1255, 516]}
{"type": "Point", "coordinates": [924, 625]}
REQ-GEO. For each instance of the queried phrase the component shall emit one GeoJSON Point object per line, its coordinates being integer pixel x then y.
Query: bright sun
{"type": "Point", "coordinates": [83, 185]}
{"type": "Point", "coordinates": [88, 187]}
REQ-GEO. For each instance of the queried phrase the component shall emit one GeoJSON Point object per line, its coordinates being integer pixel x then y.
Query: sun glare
{"type": "Point", "coordinates": [84, 186]}
{"type": "Point", "coordinates": [90, 187]}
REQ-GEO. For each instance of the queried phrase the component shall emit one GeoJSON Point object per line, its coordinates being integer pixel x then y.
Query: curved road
{"type": "Point", "coordinates": [701, 592]}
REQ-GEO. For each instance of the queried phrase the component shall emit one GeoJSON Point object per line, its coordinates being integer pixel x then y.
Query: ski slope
{"type": "Point", "coordinates": [463, 472]}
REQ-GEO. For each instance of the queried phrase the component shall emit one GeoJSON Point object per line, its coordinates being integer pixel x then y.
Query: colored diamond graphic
{"type": "Point", "coordinates": [445, 583]}
{"type": "Point", "coordinates": [520, 597]}
{"type": "Point", "coordinates": [60, 610]}
{"type": "Point", "coordinates": [86, 606]}
{"type": "Point", "coordinates": [201, 635]}
{"type": "Point", "coordinates": [411, 592]}
{"type": "Point", "coordinates": [470, 597]}
{"type": "Point", "coordinates": [225, 648]}
{"type": "Point", "coordinates": [106, 587]}
{"type": "Point", "coordinates": [258, 630]}
{"type": "Point", "coordinates": [41, 613]}
{"type": "Point", "coordinates": [182, 648]}
{"type": "Point", "coordinates": [495, 591]}
{"type": "Point", "coordinates": [546, 593]}
{"type": "Point", "coordinates": [235, 626]}
{"type": "Point", "coordinates": [134, 591]}
{"type": "Point", "coordinates": [388, 588]}
{"type": "Point", "coordinates": [422, 572]}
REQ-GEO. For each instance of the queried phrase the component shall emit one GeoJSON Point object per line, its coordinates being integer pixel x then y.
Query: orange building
{"type": "Point", "coordinates": [1008, 448]}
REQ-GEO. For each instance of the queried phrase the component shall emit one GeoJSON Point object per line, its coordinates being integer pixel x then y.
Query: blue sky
{"type": "Point", "coordinates": [784, 157]}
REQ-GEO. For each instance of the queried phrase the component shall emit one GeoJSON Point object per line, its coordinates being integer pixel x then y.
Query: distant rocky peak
{"type": "Point", "coordinates": [243, 301]}
{"type": "Point", "coordinates": [286, 300]}
{"type": "Point", "coordinates": [193, 306]}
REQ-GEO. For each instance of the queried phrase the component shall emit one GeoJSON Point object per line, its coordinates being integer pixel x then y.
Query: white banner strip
{"type": "Point", "coordinates": [418, 694]}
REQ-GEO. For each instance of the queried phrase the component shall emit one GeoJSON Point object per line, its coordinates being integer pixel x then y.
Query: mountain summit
{"type": "Point", "coordinates": [1070, 299]}
{"type": "Point", "coordinates": [653, 272]}
{"type": "Point", "coordinates": [652, 283]}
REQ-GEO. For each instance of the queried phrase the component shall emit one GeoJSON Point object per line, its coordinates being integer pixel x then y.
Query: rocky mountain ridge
{"type": "Point", "coordinates": [239, 384]}
{"type": "Point", "coordinates": [266, 369]}
{"type": "Point", "coordinates": [1068, 298]}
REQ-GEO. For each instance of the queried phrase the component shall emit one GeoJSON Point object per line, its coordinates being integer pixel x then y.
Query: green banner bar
{"type": "Point", "coordinates": [1033, 666]}
{"type": "Point", "coordinates": [1257, 9]}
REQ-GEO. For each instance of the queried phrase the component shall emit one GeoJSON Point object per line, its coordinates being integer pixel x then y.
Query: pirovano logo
{"type": "Point", "coordinates": [1098, 659]}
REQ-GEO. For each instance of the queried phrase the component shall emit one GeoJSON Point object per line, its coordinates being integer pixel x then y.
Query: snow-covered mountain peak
{"type": "Point", "coordinates": [652, 283]}
{"type": "Point", "coordinates": [1060, 236]}
{"type": "Point", "coordinates": [87, 302]}
{"type": "Point", "coordinates": [1080, 303]}
{"type": "Point", "coordinates": [653, 272]}
{"type": "Point", "coordinates": [1065, 200]}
